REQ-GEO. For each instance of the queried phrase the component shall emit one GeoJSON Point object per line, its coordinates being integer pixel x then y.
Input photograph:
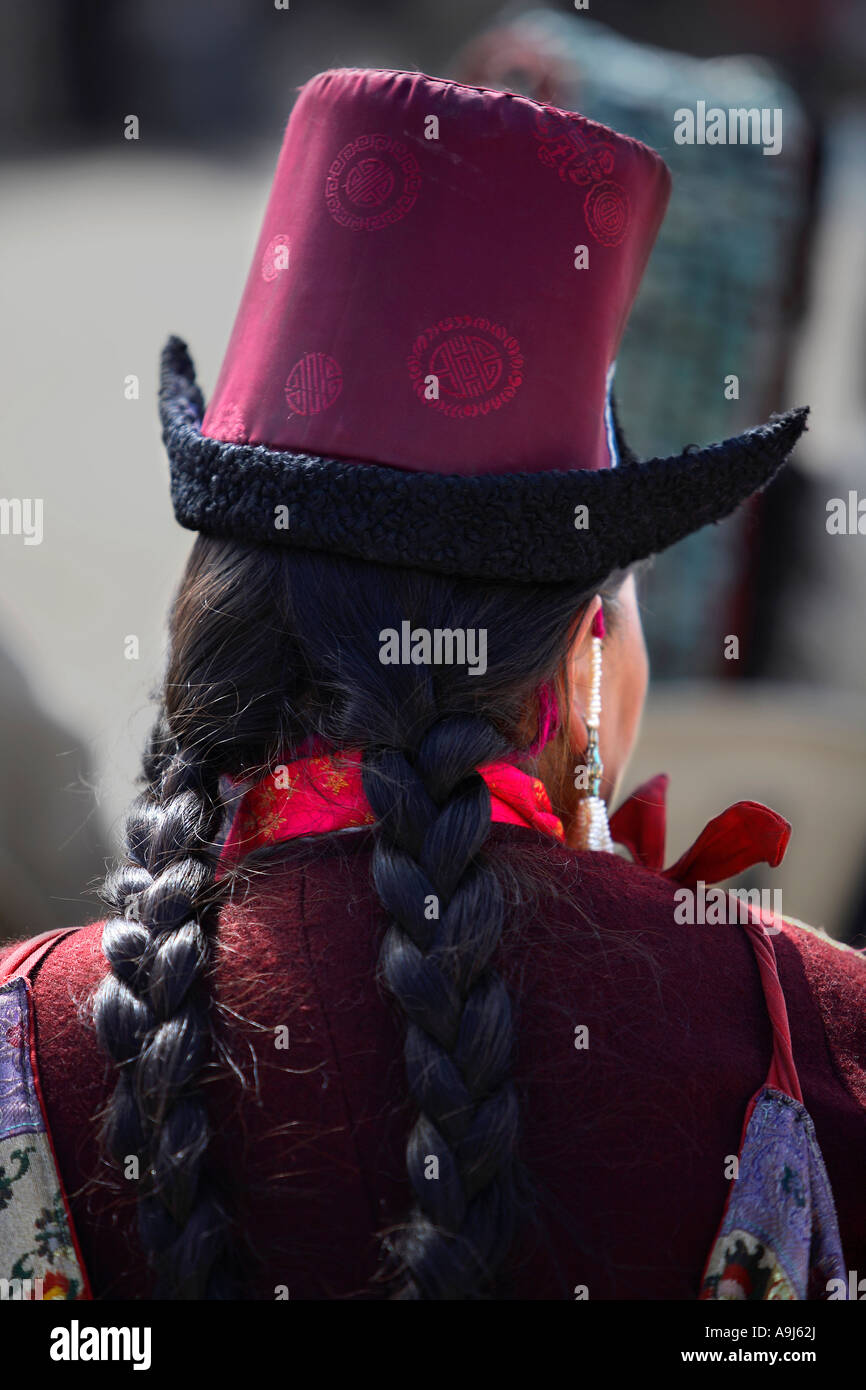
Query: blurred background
{"type": "Point", "coordinates": [110, 244]}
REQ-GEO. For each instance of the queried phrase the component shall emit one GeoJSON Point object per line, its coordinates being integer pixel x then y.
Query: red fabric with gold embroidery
{"type": "Point", "coordinates": [313, 795]}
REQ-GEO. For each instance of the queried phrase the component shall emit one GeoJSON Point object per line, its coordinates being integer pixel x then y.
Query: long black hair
{"type": "Point", "coordinates": [267, 647]}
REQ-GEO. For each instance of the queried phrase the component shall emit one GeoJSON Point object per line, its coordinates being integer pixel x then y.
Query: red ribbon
{"type": "Point", "coordinates": [747, 833]}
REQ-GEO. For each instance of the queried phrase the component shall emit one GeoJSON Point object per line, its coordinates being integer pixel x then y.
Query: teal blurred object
{"type": "Point", "coordinates": [716, 297]}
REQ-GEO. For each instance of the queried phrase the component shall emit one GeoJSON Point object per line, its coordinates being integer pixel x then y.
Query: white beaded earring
{"type": "Point", "coordinates": [592, 827]}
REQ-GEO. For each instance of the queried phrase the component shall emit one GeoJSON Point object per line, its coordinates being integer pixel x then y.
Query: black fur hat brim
{"type": "Point", "coordinates": [514, 526]}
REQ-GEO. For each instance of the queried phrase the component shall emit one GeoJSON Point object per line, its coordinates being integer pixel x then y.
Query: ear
{"type": "Point", "coordinates": [580, 632]}
{"type": "Point", "coordinates": [577, 661]}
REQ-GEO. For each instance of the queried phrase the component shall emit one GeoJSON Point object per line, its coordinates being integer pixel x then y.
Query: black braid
{"type": "Point", "coordinates": [434, 816]}
{"type": "Point", "coordinates": [267, 646]}
{"type": "Point", "coordinates": [153, 1018]}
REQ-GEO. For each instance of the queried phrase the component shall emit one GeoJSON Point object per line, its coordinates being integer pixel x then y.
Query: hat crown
{"type": "Point", "coordinates": [441, 280]}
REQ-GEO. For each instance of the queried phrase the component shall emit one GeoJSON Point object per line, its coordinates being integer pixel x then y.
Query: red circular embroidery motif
{"type": "Point", "coordinates": [314, 383]}
{"type": "Point", "coordinates": [276, 257]}
{"type": "Point", "coordinates": [228, 424]}
{"type": "Point", "coordinates": [607, 212]}
{"type": "Point", "coordinates": [477, 364]}
{"type": "Point", "coordinates": [372, 183]}
{"type": "Point", "coordinates": [368, 183]}
{"type": "Point", "coordinates": [576, 154]}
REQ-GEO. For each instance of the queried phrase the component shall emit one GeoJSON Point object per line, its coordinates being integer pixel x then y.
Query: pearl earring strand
{"type": "Point", "coordinates": [594, 831]}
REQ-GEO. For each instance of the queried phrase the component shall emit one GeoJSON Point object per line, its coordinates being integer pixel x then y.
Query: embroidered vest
{"type": "Point", "coordinates": [39, 1253]}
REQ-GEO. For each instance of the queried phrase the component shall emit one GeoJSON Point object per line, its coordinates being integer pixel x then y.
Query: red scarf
{"type": "Point", "coordinates": [315, 795]}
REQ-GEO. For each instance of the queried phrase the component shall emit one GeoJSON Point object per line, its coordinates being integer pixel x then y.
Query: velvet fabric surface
{"type": "Point", "coordinates": [421, 228]}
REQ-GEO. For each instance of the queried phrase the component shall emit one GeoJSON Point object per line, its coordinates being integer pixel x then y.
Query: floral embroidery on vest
{"type": "Point", "coordinates": [38, 1257]}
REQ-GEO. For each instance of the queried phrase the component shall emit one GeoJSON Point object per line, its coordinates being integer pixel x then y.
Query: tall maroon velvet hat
{"type": "Point", "coordinates": [420, 368]}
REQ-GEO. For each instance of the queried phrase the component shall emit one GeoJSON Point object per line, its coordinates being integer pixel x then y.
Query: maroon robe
{"type": "Point", "coordinates": [626, 1140]}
